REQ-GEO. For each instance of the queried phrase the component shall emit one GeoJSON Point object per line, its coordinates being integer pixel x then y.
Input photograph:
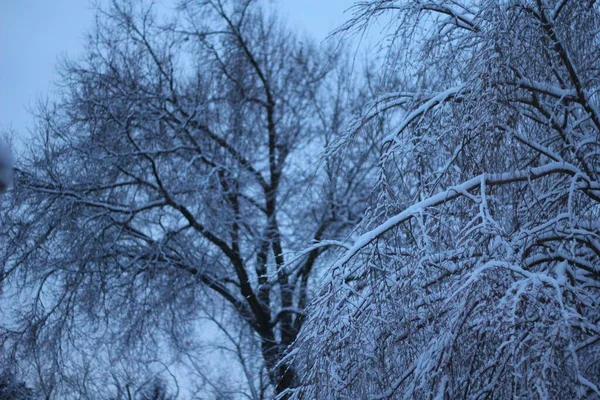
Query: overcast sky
{"type": "Point", "coordinates": [34, 34]}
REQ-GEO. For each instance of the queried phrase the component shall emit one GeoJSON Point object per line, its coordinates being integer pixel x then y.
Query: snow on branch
{"type": "Point", "coordinates": [457, 191]}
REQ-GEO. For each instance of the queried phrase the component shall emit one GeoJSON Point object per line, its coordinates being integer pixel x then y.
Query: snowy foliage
{"type": "Point", "coordinates": [477, 273]}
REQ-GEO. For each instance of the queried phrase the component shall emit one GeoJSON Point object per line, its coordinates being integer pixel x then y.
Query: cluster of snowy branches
{"type": "Point", "coordinates": [477, 273]}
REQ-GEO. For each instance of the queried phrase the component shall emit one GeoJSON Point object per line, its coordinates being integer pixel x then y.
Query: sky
{"type": "Point", "coordinates": [35, 34]}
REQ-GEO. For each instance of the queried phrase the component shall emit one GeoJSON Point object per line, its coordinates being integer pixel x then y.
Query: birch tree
{"type": "Point", "coordinates": [477, 273]}
{"type": "Point", "coordinates": [177, 175]}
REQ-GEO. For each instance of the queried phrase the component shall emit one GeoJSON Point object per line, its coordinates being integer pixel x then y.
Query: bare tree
{"type": "Point", "coordinates": [478, 271]}
{"type": "Point", "coordinates": [177, 173]}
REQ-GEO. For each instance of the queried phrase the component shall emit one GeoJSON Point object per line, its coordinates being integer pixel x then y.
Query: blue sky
{"type": "Point", "coordinates": [34, 34]}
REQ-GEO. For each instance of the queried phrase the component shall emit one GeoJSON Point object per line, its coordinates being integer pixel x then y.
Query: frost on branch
{"type": "Point", "coordinates": [477, 274]}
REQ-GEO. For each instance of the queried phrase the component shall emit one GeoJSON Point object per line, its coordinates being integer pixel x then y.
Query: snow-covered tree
{"type": "Point", "coordinates": [477, 273]}
{"type": "Point", "coordinates": [174, 183]}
